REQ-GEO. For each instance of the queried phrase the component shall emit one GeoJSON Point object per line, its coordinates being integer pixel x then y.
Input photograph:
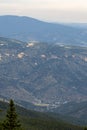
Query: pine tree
{"type": "Point", "coordinates": [11, 122]}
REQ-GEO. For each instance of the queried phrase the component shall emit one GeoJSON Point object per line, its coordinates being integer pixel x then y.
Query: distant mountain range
{"type": "Point", "coordinates": [26, 29]}
{"type": "Point", "coordinates": [43, 66]}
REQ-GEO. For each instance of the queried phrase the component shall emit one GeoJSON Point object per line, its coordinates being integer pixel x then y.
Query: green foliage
{"type": "Point", "coordinates": [11, 122]}
{"type": "Point", "coordinates": [40, 124]}
{"type": "Point", "coordinates": [32, 120]}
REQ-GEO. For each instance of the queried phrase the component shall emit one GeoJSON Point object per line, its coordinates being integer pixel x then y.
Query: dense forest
{"type": "Point", "coordinates": [31, 120]}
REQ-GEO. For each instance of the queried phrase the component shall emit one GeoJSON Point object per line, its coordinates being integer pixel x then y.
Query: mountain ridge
{"type": "Point", "coordinates": [26, 29]}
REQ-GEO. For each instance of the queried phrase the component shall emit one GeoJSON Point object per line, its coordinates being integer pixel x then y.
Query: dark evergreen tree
{"type": "Point", "coordinates": [85, 128]}
{"type": "Point", "coordinates": [11, 122]}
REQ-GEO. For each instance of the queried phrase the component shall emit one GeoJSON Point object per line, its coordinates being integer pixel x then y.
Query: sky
{"type": "Point", "coordinates": [71, 11]}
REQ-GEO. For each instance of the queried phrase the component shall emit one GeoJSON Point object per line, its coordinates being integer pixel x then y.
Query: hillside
{"type": "Point", "coordinates": [37, 121]}
{"type": "Point", "coordinates": [26, 29]}
{"type": "Point", "coordinates": [73, 112]}
{"type": "Point", "coordinates": [41, 75]}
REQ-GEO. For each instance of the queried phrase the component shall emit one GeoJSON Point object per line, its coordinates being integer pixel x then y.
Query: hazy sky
{"type": "Point", "coordinates": [47, 10]}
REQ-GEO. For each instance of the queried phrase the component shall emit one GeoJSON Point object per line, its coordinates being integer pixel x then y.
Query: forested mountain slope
{"type": "Point", "coordinates": [36, 120]}
{"type": "Point", "coordinates": [45, 75]}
